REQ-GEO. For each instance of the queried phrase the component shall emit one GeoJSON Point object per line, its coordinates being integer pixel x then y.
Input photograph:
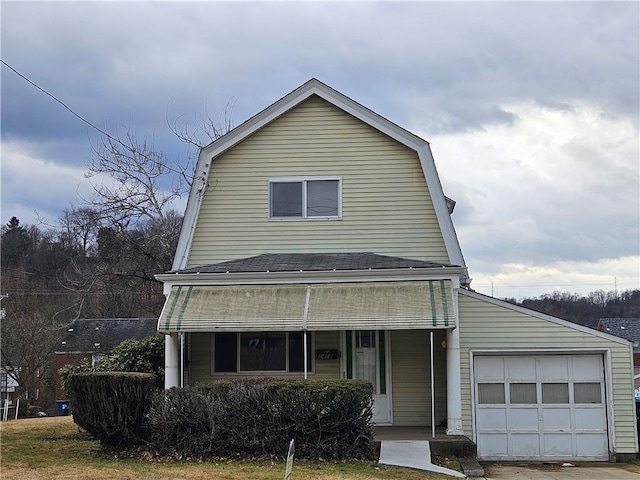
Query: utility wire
{"type": "Point", "coordinates": [84, 120]}
{"type": "Point", "coordinates": [62, 103]}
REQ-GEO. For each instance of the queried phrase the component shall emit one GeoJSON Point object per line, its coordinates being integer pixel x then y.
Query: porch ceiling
{"type": "Point", "coordinates": [353, 306]}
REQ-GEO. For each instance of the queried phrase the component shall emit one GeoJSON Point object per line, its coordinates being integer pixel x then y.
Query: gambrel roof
{"type": "Point", "coordinates": [314, 87]}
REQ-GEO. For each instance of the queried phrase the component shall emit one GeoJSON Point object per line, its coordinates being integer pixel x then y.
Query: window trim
{"type": "Point", "coordinates": [304, 180]}
{"type": "Point", "coordinates": [238, 372]}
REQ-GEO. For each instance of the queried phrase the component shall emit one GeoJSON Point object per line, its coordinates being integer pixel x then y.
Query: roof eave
{"type": "Point", "coordinates": [296, 277]}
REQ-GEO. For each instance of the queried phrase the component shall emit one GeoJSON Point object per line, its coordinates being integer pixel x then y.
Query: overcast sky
{"type": "Point", "coordinates": [531, 109]}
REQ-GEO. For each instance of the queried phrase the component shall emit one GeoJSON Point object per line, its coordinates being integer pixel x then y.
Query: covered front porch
{"type": "Point", "coordinates": [402, 336]}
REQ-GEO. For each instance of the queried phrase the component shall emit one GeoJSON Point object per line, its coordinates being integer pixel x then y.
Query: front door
{"type": "Point", "coordinates": [367, 359]}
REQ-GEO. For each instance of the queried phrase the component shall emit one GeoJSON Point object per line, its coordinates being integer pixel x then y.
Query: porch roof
{"type": "Point", "coordinates": [312, 262]}
{"type": "Point", "coordinates": [334, 306]}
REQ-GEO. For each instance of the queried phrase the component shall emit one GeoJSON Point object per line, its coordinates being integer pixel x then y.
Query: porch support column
{"type": "Point", "coordinates": [454, 394]}
{"type": "Point", "coordinates": [171, 361]}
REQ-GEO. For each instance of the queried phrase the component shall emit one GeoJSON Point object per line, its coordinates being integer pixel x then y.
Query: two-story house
{"type": "Point", "coordinates": [318, 243]}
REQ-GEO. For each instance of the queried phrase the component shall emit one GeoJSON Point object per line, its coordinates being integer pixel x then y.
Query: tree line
{"type": "Point", "coordinates": [588, 309]}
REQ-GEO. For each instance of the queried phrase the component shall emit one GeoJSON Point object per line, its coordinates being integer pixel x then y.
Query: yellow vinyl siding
{"type": "Point", "coordinates": [386, 207]}
{"type": "Point", "coordinates": [487, 326]}
{"type": "Point", "coordinates": [411, 377]}
{"type": "Point", "coordinates": [327, 369]}
{"type": "Point", "coordinates": [200, 366]}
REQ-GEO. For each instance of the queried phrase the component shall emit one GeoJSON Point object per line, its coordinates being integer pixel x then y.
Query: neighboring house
{"type": "Point", "coordinates": [629, 329]}
{"type": "Point", "coordinates": [9, 388]}
{"type": "Point", "coordinates": [95, 338]}
{"type": "Point", "coordinates": [318, 243]}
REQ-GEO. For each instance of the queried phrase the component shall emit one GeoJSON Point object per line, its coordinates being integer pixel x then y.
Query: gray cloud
{"type": "Point", "coordinates": [446, 70]}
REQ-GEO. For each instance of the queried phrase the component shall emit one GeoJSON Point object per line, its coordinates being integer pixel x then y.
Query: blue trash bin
{"type": "Point", "coordinates": [62, 407]}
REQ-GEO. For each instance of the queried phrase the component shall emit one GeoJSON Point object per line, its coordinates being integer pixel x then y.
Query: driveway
{"type": "Point", "coordinates": [555, 471]}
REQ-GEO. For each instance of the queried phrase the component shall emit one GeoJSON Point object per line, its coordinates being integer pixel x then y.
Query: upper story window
{"type": "Point", "coordinates": [312, 197]}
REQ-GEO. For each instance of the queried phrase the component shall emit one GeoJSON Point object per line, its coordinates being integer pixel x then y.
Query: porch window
{"type": "Point", "coordinates": [260, 352]}
{"type": "Point", "coordinates": [315, 197]}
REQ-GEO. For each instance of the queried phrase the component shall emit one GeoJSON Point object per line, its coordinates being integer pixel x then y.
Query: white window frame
{"type": "Point", "coordinates": [238, 372]}
{"type": "Point", "coordinates": [304, 181]}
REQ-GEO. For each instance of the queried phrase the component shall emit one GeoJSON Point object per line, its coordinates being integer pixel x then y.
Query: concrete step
{"type": "Point", "coordinates": [471, 467]}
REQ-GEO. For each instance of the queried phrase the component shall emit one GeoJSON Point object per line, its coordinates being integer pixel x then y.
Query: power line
{"type": "Point", "coordinates": [62, 103]}
{"type": "Point", "coordinates": [84, 120]}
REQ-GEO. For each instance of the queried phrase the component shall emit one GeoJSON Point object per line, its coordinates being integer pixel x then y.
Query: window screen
{"type": "Point", "coordinates": [523, 393]}
{"type": "Point", "coordinates": [304, 198]}
{"type": "Point", "coordinates": [296, 352]}
{"type": "Point", "coordinates": [555, 393]}
{"type": "Point", "coordinates": [322, 198]}
{"type": "Point", "coordinates": [490, 393]}
{"type": "Point", "coordinates": [263, 351]}
{"type": "Point", "coordinates": [225, 352]}
{"type": "Point", "coordinates": [587, 392]}
{"type": "Point", "coordinates": [286, 199]}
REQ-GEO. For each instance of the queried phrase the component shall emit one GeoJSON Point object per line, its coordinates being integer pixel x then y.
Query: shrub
{"type": "Point", "coordinates": [111, 405]}
{"type": "Point", "coordinates": [145, 356]}
{"type": "Point", "coordinates": [260, 416]}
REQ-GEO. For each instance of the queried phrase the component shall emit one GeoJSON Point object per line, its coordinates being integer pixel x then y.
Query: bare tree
{"type": "Point", "coordinates": [28, 343]}
{"type": "Point", "coordinates": [135, 187]}
{"type": "Point", "coordinates": [135, 181]}
{"type": "Point", "coordinates": [80, 228]}
{"type": "Point", "coordinates": [206, 129]}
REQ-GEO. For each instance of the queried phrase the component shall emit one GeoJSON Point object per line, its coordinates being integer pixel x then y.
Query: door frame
{"type": "Point", "coordinates": [347, 363]}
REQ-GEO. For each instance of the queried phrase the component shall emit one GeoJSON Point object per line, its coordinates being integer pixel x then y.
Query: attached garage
{"type": "Point", "coordinates": [536, 387]}
{"type": "Point", "coordinates": [540, 407]}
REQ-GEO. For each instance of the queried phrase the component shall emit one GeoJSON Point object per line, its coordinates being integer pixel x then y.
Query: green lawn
{"type": "Point", "coordinates": [50, 448]}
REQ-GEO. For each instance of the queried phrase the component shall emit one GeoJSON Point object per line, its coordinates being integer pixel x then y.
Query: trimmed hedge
{"type": "Point", "coordinates": [257, 417]}
{"type": "Point", "coordinates": [111, 406]}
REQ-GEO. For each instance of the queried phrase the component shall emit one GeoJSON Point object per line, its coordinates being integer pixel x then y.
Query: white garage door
{"type": "Point", "coordinates": [543, 407]}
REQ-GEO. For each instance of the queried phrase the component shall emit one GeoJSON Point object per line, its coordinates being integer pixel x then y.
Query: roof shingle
{"type": "Point", "coordinates": [104, 334]}
{"type": "Point", "coordinates": [312, 262]}
{"type": "Point", "coordinates": [627, 328]}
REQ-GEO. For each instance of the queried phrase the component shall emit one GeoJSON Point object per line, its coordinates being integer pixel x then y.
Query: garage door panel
{"type": "Point", "coordinates": [587, 367]}
{"type": "Point", "coordinates": [556, 419]}
{"type": "Point", "coordinates": [553, 368]}
{"type": "Point", "coordinates": [557, 445]}
{"type": "Point", "coordinates": [491, 368]}
{"type": "Point", "coordinates": [589, 418]}
{"type": "Point", "coordinates": [525, 444]}
{"type": "Point", "coordinates": [493, 419]}
{"type": "Point", "coordinates": [496, 444]}
{"type": "Point", "coordinates": [521, 367]}
{"type": "Point", "coordinates": [523, 419]}
{"type": "Point", "coordinates": [591, 444]}
{"type": "Point", "coordinates": [541, 407]}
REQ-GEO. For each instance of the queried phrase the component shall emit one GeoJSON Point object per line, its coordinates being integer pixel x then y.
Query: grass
{"type": "Point", "coordinates": [50, 448]}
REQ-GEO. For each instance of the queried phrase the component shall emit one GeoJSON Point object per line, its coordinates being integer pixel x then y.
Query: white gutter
{"type": "Point", "coordinates": [334, 276]}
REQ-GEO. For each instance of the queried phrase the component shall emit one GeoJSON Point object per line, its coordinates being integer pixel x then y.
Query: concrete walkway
{"type": "Point", "coordinates": [555, 471]}
{"type": "Point", "coordinates": [414, 454]}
